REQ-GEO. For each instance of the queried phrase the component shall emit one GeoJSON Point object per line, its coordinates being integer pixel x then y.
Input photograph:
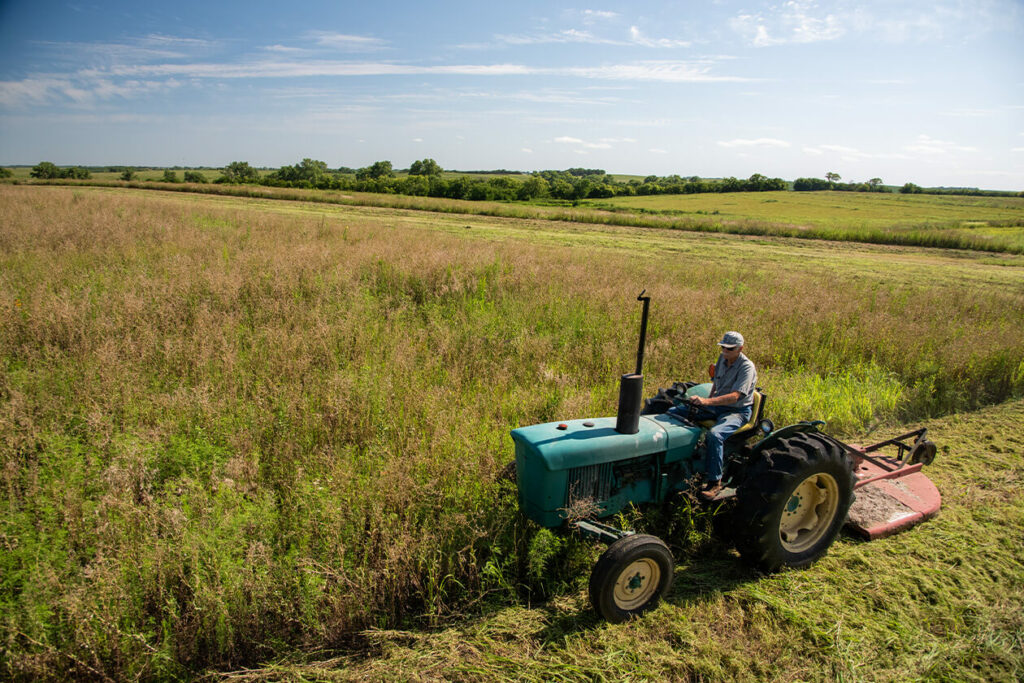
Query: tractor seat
{"type": "Point", "coordinates": [755, 416]}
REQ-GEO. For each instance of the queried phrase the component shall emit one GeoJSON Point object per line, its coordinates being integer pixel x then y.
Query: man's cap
{"type": "Point", "coordinates": [731, 339]}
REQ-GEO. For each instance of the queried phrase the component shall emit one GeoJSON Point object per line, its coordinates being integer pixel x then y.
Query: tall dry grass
{"type": "Point", "coordinates": [227, 432]}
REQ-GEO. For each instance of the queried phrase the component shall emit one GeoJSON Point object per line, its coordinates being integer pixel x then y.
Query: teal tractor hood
{"type": "Point", "coordinates": [551, 461]}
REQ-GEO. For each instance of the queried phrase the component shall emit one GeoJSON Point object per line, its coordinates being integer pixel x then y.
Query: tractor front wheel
{"type": "Point", "coordinates": [794, 502]}
{"type": "Point", "coordinates": [630, 577]}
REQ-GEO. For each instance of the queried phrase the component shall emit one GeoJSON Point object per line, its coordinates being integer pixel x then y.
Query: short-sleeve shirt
{"type": "Point", "coordinates": [741, 377]}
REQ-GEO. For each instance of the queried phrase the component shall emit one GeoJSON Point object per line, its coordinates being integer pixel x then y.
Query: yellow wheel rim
{"type": "Point", "coordinates": [809, 513]}
{"type": "Point", "coordinates": [637, 584]}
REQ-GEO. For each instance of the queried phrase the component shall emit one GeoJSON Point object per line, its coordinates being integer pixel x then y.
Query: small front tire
{"type": "Point", "coordinates": [631, 577]}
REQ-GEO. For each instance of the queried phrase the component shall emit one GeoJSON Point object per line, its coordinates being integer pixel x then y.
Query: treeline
{"type": "Point", "coordinates": [818, 184]}
{"type": "Point", "coordinates": [46, 170]}
{"type": "Point", "coordinates": [911, 188]}
{"type": "Point", "coordinates": [425, 178]}
{"type": "Point", "coordinates": [830, 182]}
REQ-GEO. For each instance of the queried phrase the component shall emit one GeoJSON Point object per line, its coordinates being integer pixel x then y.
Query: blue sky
{"type": "Point", "coordinates": [927, 92]}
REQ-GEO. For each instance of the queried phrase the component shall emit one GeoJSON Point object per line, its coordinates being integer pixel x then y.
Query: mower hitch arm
{"type": "Point", "coordinates": [899, 441]}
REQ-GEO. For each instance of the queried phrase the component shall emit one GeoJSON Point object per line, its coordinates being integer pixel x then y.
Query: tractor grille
{"type": "Point", "coordinates": [598, 483]}
{"type": "Point", "coordinates": [593, 482]}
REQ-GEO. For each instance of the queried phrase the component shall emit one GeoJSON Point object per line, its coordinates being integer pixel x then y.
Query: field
{"type": "Point", "coordinates": [979, 224]}
{"type": "Point", "coordinates": [256, 439]}
{"type": "Point", "coordinates": [862, 210]}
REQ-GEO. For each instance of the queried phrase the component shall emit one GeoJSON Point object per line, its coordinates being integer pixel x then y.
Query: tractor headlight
{"type": "Point", "coordinates": [766, 426]}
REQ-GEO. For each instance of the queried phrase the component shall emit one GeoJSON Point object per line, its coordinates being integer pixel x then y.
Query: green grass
{"type": "Point", "coordinates": [238, 431]}
{"type": "Point", "coordinates": [940, 602]}
{"type": "Point", "coordinates": [850, 209]}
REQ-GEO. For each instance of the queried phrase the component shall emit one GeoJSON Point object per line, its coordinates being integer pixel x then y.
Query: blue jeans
{"type": "Point", "coordinates": [728, 420]}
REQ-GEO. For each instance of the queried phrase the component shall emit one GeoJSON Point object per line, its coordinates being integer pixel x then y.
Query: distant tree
{"type": "Point", "coordinates": [581, 172]}
{"type": "Point", "coordinates": [416, 186]}
{"type": "Point", "coordinates": [910, 188]}
{"type": "Point", "coordinates": [875, 182]}
{"type": "Point", "coordinates": [810, 184]}
{"type": "Point", "coordinates": [170, 176]}
{"type": "Point", "coordinates": [312, 169]}
{"type": "Point", "coordinates": [425, 167]}
{"type": "Point", "coordinates": [378, 169]}
{"type": "Point", "coordinates": [76, 172]}
{"type": "Point", "coordinates": [45, 170]}
{"type": "Point", "coordinates": [833, 177]}
{"type": "Point", "coordinates": [128, 174]}
{"type": "Point", "coordinates": [194, 177]}
{"type": "Point", "coordinates": [532, 188]}
{"type": "Point", "coordinates": [239, 172]}
{"type": "Point", "coordinates": [6, 173]}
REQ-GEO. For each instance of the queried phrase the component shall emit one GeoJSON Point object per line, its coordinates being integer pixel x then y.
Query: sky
{"type": "Point", "coordinates": [930, 92]}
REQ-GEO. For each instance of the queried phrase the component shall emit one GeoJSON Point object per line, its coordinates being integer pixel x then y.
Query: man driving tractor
{"type": "Point", "coordinates": [729, 404]}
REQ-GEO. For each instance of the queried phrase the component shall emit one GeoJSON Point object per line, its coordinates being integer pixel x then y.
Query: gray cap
{"type": "Point", "coordinates": [731, 339]}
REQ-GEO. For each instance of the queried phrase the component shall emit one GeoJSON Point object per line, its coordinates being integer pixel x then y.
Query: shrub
{"type": "Point", "coordinates": [45, 170]}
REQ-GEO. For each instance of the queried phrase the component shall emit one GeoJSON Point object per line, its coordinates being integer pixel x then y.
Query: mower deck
{"type": "Point", "coordinates": [890, 497]}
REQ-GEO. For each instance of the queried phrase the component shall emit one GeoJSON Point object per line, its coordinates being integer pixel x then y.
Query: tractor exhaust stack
{"type": "Point", "coordinates": [631, 386]}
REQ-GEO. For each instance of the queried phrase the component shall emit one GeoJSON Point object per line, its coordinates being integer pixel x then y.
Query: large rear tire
{"type": "Point", "coordinates": [631, 577]}
{"type": "Point", "coordinates": [793, 504]}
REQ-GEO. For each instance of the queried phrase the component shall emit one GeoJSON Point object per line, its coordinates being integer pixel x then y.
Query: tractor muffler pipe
{"type": "Point", "coordinates": [631, 387]}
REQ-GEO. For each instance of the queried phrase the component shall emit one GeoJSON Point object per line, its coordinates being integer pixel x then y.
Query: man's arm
{"type": "Point", "coordinates": [723, 400]}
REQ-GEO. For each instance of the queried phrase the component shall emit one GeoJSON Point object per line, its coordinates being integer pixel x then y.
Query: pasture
{"type": "Point", "coordinates": [980, 224]}
{"type": "Point", "coordinates": [851, 209]}
{"type": "Point", "coordinates": [250, 438]}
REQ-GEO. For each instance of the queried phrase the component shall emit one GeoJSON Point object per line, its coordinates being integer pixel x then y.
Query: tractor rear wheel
{"type": "Point", "coordinates": [630, 577]}
{"type": "Point", "coordinates": [793, 503]}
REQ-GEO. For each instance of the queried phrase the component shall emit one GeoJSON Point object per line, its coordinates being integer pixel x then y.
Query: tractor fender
{"type": "Point", "coordinates": [810, 426]}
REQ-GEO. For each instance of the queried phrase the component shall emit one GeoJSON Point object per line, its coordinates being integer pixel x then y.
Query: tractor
{"type": "Point", "coordinates": [789, 490]}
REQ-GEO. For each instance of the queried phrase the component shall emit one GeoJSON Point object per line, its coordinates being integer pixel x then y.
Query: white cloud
{"type": "Point", "coordinates": [417, 139]}
{"type": "Point", "coordinates": [655, 150]}
{"type": "Point", "coordinates": [142, 49]}
{"type": "Point", "coordinates": [970, 113]}
{"type": "Point", "coordinates": [79, 91]}
{"type": "Point", "coordinates": [527, 150]}
{"type": "Point", "coordinates": [1017, 149]}
{"type": "Point", "coordinates": [583, 144]}
{"type": "Point", "coordinates": [346, 42]}
{"type": "Point", "coordinates": [565, 36]}
{"type": "Point", "coordinates": [758, 142]}
{"type": "Point", "coordinates": [31, 91]}
{"type": "Point", "coordinates": [927, 145]}
{"type": "Point", "coordinates": [592, 14]}
{"type": "Point", "coordinates": [794, 21]}
{"type": "Point", "coordinates": [640, 39]}
{"type": "Point", "coordinates": [850, 154]}
{"type": "Point", "coordinates": [804, 21]}
{"type": "Point", "coordinates": [660, 71]}
{"type": "Point", "coordinates": [653, 70]}
{"type": "Point", "coordinates": [285, 49]}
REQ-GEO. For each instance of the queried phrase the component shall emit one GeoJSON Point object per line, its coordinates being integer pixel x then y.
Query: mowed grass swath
{"type": "Point", "coordinates": [230, 433]}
